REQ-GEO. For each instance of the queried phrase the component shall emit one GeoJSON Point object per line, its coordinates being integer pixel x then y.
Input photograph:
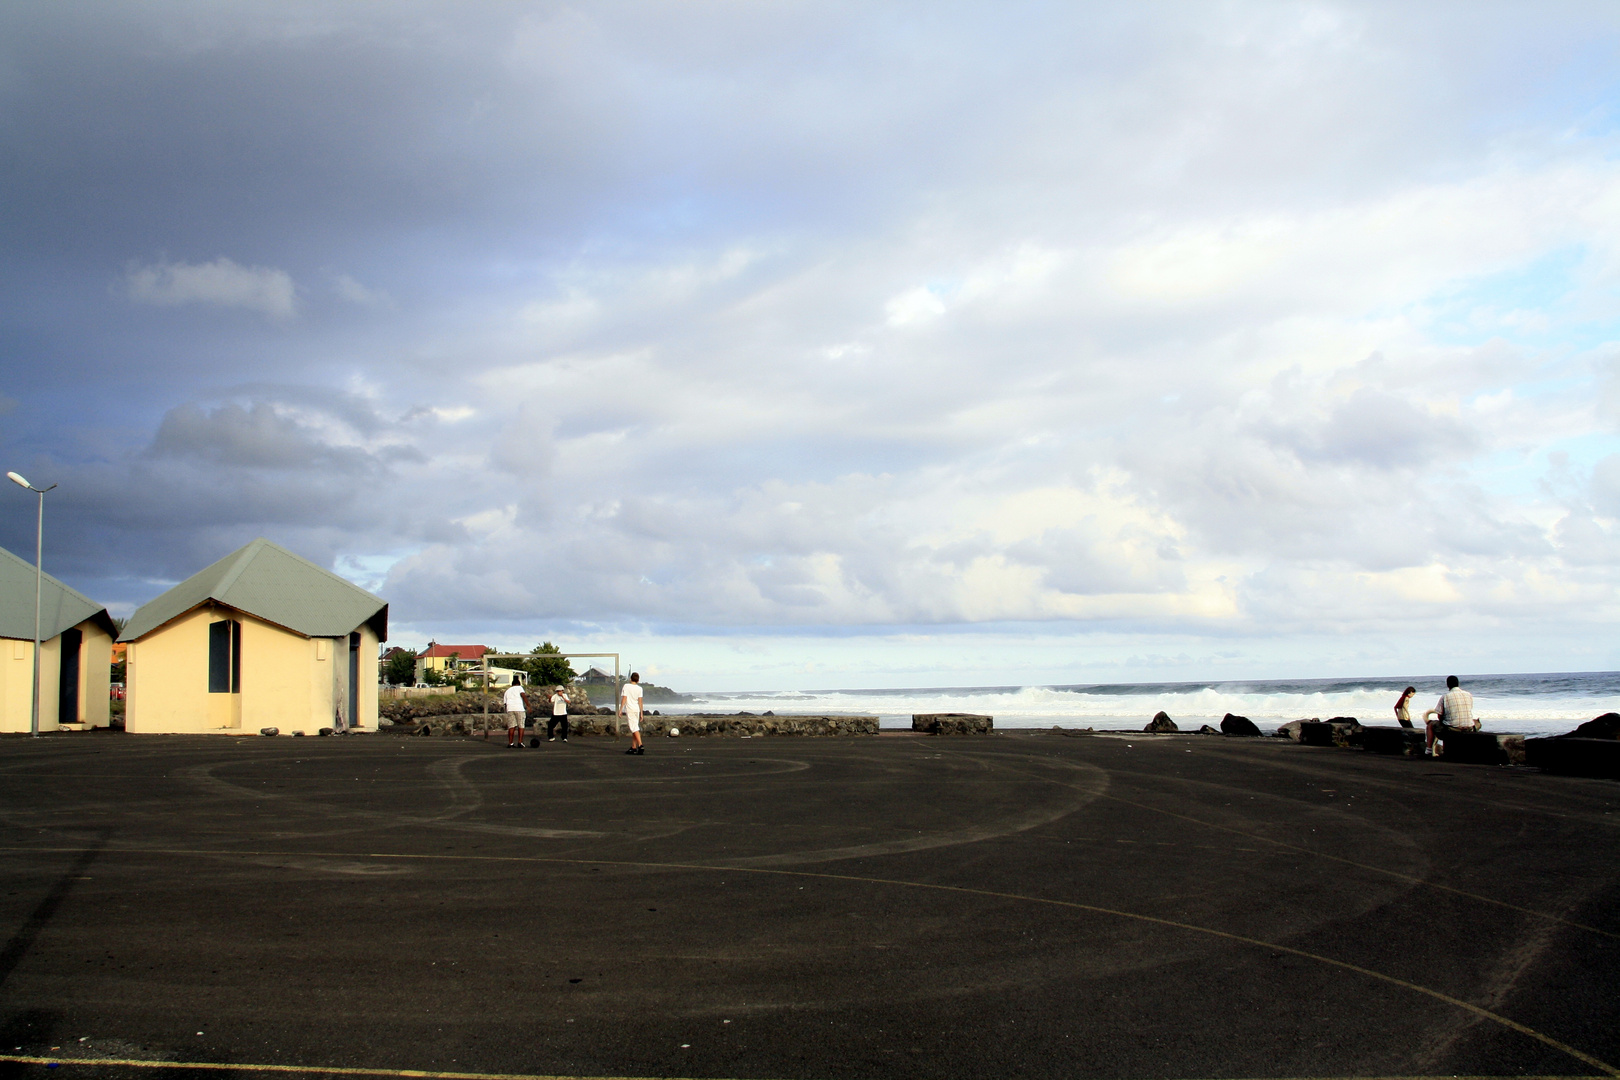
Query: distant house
{"type": "Point", "coordinates": [444, 658]}
{"type": "Point", "coordinates": [596, 676]}
{"type": "Point", "coordinates": [74, 655]}
{"type": "Point", "coordinates": [262, 638]}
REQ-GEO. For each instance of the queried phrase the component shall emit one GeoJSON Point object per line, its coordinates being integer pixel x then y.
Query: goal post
{"type": "Point", "coordinates": [618, 680]}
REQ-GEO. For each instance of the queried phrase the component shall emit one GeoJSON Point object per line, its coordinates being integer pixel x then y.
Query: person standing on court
{"type": "Point", "coordinates": [517, 711]}
{"type": "Point", "coordinates": [559, 715]}
{"type": "Point", "coordinates": [630, 709]}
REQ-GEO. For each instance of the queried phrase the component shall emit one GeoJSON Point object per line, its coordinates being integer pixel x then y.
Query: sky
{"type": "Point", "coordinates": [809, 345]}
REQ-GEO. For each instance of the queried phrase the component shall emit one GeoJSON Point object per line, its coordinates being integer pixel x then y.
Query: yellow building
{"type": "Point", "coordinates": [74, 656]}
{"type": "Point", "coordinates": [260, 639]}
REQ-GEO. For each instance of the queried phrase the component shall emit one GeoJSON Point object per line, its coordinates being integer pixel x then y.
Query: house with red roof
{"type": "Point", "coordinates": [444, 658]}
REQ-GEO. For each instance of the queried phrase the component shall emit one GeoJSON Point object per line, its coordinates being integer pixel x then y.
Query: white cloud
{"type": "Point", "coordinates": [222, 282]}
{"type": "Point", "coordinates": [355, 293]}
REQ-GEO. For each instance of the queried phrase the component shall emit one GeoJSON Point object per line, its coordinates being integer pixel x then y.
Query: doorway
{"type": "Point", "coordinates": [67, 680]}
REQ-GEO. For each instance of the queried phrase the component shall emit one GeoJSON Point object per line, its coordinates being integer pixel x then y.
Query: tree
{"type": "Point", "coordinates": [400, 668]}
{"type": "Point", "coordinates": [547, 666]}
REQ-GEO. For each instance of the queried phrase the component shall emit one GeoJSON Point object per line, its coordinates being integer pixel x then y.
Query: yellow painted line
{"type": "Point", "coordinates": [1285, 846]}
{"type": "Point", "coordinates": [1482, 1013]}
{"type": "Point", "coordinates": [322, 1070]}
{"type": "Point", "coordinates": [337, 1070]}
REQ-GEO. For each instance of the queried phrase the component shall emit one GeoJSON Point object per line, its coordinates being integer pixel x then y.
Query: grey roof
{"type": "Point", "coordinates": [59, 606]}
{"type": "Point", "coordinates": [270, 582]}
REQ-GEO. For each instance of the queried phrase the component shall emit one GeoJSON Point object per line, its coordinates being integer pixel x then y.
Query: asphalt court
{"type": "Point", "coordinates": [1012, 905]}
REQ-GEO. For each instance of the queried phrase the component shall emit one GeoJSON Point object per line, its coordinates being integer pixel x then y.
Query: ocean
{"type": "Point", "coordinates": [1544, 704]}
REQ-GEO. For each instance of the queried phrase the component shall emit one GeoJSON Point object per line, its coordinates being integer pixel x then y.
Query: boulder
{"type": "Point", "coordinates": [324, 731]}
{"type": "Point", "coordinates": [1291, 729]}
{"type": "Point", "coordinates": [1606, 726]}
{"type": "Point", "coordinates": [1238, 725]}
{"type": "Point", "coordinates": [269, 731]}
{"type": "Point", "coordinates": [1161, 722]}
{"type": "Point", "coordinates": [1207, 730]}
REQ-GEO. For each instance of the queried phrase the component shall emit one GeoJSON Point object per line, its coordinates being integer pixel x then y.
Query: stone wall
{"type": "Point", "coordinates": [952, 723]}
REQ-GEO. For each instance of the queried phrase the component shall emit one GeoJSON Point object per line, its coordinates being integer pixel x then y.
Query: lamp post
{"type": "Point", "coordinates": [39, 574]}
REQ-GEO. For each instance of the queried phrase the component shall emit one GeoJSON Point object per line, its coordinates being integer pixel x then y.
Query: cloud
{"type": "Point", "coordinates": [1214, 330]}
{"type": "Point", "coordinates": [221, 282]}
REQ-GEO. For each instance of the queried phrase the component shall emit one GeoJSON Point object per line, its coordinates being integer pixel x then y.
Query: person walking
{"type": "Point", "coordinates": [630, 699]}
{"type": "Point", "coordinates": [559, 715]}
{"type": "Point", "coordinates": [517, 712]}
{"type": "Point", "coordinates": [1402, 713]}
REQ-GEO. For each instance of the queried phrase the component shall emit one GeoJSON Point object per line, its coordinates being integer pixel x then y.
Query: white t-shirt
{"type": "Point", "coordinates": [632, 700]}
{"type": "Point", "coordinates": [559, 704]}
{"type": "Point", "coordinates": [514, 698]}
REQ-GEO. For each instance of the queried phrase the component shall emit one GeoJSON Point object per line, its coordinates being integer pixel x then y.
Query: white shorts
{"type": "Point", "coordinates": [633, 721]}
{"type": "Point", "coordinates": [515, 719]}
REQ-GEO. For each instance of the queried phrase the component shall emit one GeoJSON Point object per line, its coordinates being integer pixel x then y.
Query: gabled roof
{"type": "Point", "coordinates": [465, 652]}
{"type": "Point", "coordinates": [268, 581]}
{"type": "Point", "coordinates": [60, 608]}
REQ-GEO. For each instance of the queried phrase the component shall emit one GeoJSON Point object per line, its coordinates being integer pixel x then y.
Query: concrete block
{"type": "Point", "coordinates": [1403, 742]}
{"type": "Point", "coordinates": [1474, 748]}
{"type": "Point", "coordinates": [1575, 757]}
{"type": "Point", "coordinates": [952, 723]}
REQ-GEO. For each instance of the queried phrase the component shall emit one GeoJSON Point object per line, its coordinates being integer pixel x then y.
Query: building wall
{"type": "Point", "coordinates": [288, 681]}
{"type": "Point", "coordinates": [17, 680]}
{"type": "Point", "coordinates": [166, 674]}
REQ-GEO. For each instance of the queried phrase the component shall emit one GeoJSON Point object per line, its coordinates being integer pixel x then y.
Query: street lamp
{"type": "Point", "coordinates": [39, 574]}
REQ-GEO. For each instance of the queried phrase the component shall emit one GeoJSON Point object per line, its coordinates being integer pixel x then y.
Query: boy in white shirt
{"type": "Point", "coordinates": [559, 715]}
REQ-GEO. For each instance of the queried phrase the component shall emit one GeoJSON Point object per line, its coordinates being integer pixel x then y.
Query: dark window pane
{"type": "Point", "coordinates": [236, 657]}
{"type": "Point", "coordinates": [219, 657]}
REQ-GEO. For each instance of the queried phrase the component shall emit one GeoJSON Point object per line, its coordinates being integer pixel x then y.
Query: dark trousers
{"type": "Point", "coordinates": [552, 722]}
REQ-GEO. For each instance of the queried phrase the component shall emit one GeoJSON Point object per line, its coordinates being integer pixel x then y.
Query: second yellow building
{"type": "Point", "coordinates": [260, 639]}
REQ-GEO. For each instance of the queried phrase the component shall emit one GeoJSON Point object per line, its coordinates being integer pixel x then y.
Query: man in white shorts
{"type": "Point", "coordinates": [517, 711]}
{"type": "Point", "coordinates": [630, 709]}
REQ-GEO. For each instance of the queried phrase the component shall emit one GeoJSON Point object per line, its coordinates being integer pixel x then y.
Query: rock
{"type": "Point", "coordinates": [298, 734]}
{"type": "Point", "coordinates": [1238, 725]}
{"type": "Point", "coordinates": [1161, 722]}
{"type": "Point", "coordinates": [1291, 729]}
{"type": "Point", "coordinates": [269, 731]}
{"type": "Point", "coordinates": [1207, 730]}
{"type": "Point", "coordinates": [1606, 726]}
{"type": "Point", "coordinates": [324, 731]}
{"type": "Point", "coordinates": [385, 722]}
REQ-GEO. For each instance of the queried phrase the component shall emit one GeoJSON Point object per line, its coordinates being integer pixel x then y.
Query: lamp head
{"type": "Point", "coordinates": [15, 479]}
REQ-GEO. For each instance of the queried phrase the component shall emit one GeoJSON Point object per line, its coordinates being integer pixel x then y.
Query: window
{"type": "Point", "coordinates": [225, 657]}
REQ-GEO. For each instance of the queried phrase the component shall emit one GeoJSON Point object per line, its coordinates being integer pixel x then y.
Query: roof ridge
{"type": "Point", "coordinates": [244, 557]}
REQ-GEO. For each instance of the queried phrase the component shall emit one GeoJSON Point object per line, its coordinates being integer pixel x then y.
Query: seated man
{"type": "Point", "coordinates": [1453, 712]}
